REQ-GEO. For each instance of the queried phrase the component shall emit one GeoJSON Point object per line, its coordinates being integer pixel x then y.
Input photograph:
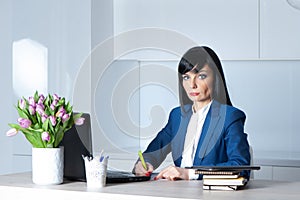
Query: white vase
{"type": "Point", "coordinates": [47, 166]}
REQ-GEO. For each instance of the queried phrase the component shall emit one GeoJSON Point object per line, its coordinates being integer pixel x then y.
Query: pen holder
{"type": "Point", "coordinates": [95, 172]}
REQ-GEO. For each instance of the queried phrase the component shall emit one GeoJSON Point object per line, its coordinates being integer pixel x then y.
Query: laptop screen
{"type": "Point", "coordinates": [77, 141]}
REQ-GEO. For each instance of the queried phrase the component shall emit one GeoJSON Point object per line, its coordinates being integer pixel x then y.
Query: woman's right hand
{"type": "Point", "coordinates": [141, 171]}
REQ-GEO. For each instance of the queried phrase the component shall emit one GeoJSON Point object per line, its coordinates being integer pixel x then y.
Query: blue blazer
{"type": "Point", "coordinates": [222, 141]}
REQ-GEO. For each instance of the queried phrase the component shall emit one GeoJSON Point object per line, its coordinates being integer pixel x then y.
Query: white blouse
{"type": "Point", "coordinates": [192, 138]}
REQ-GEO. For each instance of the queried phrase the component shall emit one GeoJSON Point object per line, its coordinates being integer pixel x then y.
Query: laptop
{"type": "Point", "coordinates": [77, 141]}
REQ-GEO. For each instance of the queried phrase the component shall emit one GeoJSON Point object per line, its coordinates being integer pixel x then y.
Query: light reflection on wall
{"type": "Point", "coordinates": [30, 67]}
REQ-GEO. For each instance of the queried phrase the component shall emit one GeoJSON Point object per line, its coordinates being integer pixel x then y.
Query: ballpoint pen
{"type": "Point", "coordinates": [142, 159]}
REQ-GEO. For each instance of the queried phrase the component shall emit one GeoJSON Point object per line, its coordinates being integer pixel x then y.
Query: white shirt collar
{"type": "Point", "coordinates": [203, 110]}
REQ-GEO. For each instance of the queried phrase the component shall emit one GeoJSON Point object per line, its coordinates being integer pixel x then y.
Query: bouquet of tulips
{"type": "Point", "coordinates": [44, 120]}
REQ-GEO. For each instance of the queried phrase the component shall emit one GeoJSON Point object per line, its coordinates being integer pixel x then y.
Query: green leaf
{"type": "Point", "coordinates": [39, 119]}
{"type": "Point", "coordinates": [33, 118]}
{"type": "Point", "coordinates": [34, 138]}
{"type": "Point", "coordinates": [36, 126]}
{"type": "Point", "coordinates": [68, 107]}
{"type": "Point", "coordinates": [59, 137]}
{"type": "Point", "coordinates": [76, 116]}
{"type": "Point", "coordinates": [46, 125]}
{"type": "Point", "coordinates": [47, 101]}
{"type": "Point", "coordinates": [21, 113]}
{"type": "Point", "coordinates": [51, 127]}
{"type": "Point", "coordinates": [58, 124]}
{"type": "Point", "coordinates": [36, 96]}
{"type": "Point", "coordinates": [16, 126]}
{"type": "Point", "coordinates": [52, 138]}
{"type": "Point", "coordinates": [49, 145]}
{"type": "Point", "coordinates": [62, 101]}
{"type": "Point", "coordinates": [49, 111]}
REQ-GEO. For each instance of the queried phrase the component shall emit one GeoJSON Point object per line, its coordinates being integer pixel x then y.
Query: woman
{"type": "Point", "coordinates": [206, 129]}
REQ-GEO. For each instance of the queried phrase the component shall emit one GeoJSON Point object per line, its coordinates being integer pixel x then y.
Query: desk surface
{"type": "Point", "coordinates": [20, 186]}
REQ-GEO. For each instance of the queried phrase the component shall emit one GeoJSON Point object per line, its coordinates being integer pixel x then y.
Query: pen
{"type": "Point", "coordinates": [101, 158]}
{"type": "Point", "coordinates": [101, 155]}
{"type": "Point", "coordinates": [142, 159]}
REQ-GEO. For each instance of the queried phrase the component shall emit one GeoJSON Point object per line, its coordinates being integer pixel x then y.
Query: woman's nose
{"type": "Point", "coordinates": [193, 84]}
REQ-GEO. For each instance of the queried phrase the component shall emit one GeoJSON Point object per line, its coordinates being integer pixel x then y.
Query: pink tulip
{"type": "Point", "coordinates": [53, 104]}
{"type": "Point", "coordinates": [45, 136]}
{"type": "Point", "coordinates": [79, 121]}
{"type": "Point", "coordinates": [31, 101]}
{"type": "Point", "coordinates": [42, 97]}
{"type": "Point", "coordinates": [24, 123]}
{"type": "Point", "coordinates": [40, 105]}
{"type": "Point", "coordinates": [40, 109]}
{"type": "Point", "coordinates": [56, 97]}
{"type": "Point", "coordinates": [60, 112]}
{"type": "Point", "coordinates": [44, 117]}
{"type": "Point", "coordinates": [40, 101]}
{"type": "Point", "coordinates": [12, 132]}
{"type": "Point", "coordinates": [65, 117]}
{"type": "Point", "coordinates": [31, 110]}
{"type": "Point", "coordinates": [22, 103]}
{"type": "Point", "coordinates": [53, 120]}
{"type": "Point", "coordinates": [55, 101]}
{"type": "Point", "coordinates": [52, 107]}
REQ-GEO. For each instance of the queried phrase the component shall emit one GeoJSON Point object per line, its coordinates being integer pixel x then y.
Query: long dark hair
{"type": "Point", "coordinates": [196, 58]}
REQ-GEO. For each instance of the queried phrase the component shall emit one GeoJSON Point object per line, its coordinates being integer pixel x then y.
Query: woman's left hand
{"type": "Point", "coordinates": [173, 173]}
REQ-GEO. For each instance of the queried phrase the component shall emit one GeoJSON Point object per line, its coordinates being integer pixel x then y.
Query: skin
{"type": "Point", "coordinates": [199, 87]}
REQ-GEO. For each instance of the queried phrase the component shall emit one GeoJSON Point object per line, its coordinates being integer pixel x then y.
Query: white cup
{"type": "Point", "coordinates": [95, 172]}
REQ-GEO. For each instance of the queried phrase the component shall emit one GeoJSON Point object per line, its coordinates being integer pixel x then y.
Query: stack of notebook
{"type": "Point", "coordinates": [223, 182]}
{"type": "Point", "coordinates": [223, 177]}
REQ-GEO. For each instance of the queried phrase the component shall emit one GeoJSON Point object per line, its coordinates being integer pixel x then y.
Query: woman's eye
{"type": "Point", "coordinates": [202, 76]}
{"type": "Point", "coordinates": [185, 77]}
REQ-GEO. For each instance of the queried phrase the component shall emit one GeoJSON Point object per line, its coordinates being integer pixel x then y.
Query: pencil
{"type": "Point", "coordinates": [142, 159]}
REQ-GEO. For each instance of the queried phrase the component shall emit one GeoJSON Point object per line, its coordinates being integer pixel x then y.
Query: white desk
{"type": "Point", "coordinates": [20, 186]}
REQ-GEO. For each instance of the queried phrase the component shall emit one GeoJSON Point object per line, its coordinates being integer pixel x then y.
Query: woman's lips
{"type": "Point", "coordinates": [193, 94]}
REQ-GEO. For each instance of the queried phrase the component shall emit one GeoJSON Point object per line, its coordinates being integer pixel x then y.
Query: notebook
{"type": "Point", "coordinates": [77, 142]}
{"type": "Point", "coordinates": [222, 170]}
{"type": "Point", "coordinates": [226, 168]}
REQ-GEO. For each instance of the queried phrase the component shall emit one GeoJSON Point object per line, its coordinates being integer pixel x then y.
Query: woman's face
{"type": "Point", "coordinates": [199, 86]}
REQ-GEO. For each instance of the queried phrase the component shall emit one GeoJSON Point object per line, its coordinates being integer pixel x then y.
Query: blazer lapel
{"type": "Point", "coordinates": [211, 131]}
{"type": "Point", "coordinates": [178, 141]}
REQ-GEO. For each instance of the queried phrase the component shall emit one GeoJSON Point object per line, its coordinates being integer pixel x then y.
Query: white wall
{"type": "Point", "coordinates": [267, 92]}
{"type": "Point", "coordinates": [64, 29]}
{"type": "Point", "coordinates": [5, 85]}
{"type": "Point", "coordinates": [232, 24]}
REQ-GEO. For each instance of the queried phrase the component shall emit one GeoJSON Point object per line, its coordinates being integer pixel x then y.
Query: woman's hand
{"type": "Point", "coordinates": [141, 171]}
{"type": "Point", "coordinates": [173, 173]}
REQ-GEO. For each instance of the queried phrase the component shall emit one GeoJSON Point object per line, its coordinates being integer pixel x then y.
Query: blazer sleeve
{"type": "Point", "coordinates": [237, 146]}
{"type": "Point", "coordinates": [236, 139]}
{"type": "Point", "coordinates": [160, 146]}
